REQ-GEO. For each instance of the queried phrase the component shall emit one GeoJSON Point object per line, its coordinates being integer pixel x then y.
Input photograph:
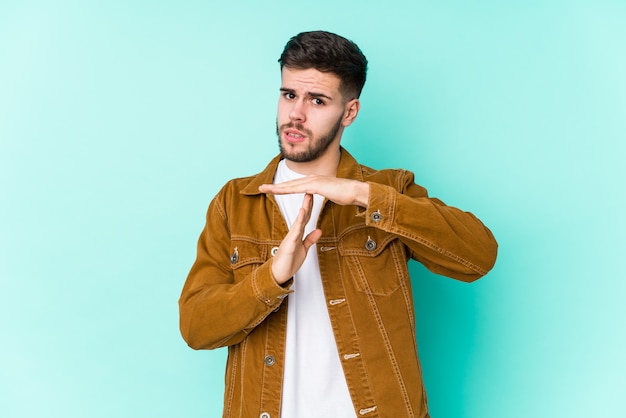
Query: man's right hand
{"type": "Point", "coordinates": [293, 249]}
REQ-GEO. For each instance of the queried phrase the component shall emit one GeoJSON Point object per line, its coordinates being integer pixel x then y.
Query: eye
{"type": "Point", "coordinates": [289, 95]}
{"type": "Point", "coordinates": [318, 102]}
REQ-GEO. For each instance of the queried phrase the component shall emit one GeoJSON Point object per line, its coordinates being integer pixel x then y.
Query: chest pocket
{"type": "Point", "coordinates": [375, 260]}
{"type": "Point", "coordinates": [245, 256]}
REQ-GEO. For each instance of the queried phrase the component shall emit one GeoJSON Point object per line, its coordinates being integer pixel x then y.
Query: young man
{"type": "Point", "coordinates": [302, 271]}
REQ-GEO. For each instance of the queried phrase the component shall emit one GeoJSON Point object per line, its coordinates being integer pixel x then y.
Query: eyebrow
{"type": "Point", "coordinates": [309, 94]}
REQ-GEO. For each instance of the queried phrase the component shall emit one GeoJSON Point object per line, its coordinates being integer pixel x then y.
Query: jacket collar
{"type": "Point", "coordinates": [348, 168]}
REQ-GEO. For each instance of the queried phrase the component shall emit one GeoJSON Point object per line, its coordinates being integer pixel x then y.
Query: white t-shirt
{"type": "Point", "coordinates": [314, 384]}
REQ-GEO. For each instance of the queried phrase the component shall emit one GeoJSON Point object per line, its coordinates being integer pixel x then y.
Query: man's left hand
{"type": "Point", "coordinates": [338, 190]}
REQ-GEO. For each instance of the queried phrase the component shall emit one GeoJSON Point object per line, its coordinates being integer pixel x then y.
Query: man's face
{"type": "Point", "coordinates": [311, 114]}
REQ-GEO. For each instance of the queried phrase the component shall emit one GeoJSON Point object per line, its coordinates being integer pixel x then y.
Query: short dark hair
{"type": "Point", "coordinates": [328, 53]}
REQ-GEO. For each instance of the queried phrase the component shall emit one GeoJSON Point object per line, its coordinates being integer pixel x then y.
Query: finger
{"type": "Point", "coordinates": [304, 216]}
{"type": "Point", "coordinates": [302, 185]}
{"type": "Point", "coordinates": [305, 211]}
{"type": "Point", "coordinates": [312, 238]}
{"type": "Point", "coordinates": [307, 205]}
{"type": "Point", "coordinates": [278, 189]}
{"type": "Point", "coordinates": [296, 232]}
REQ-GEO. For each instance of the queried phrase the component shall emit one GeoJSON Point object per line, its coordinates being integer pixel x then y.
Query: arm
{"type": "Point", "coordinates": [445, 239]}
{"type": "Point", "coordinates": [215, 309]}
{"type": "Point", "coordinates": [218, 309]}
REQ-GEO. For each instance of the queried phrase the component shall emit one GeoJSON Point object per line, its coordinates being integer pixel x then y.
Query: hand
{"type": "Point", "coordinates": [293, 249]}
{"type": "Point", "coordinates": [337, 190]}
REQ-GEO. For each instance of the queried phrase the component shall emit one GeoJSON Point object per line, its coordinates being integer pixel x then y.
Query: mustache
{"type": "Point", "coordinates": [292, 125]}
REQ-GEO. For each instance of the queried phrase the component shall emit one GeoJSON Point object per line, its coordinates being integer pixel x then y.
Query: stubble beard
{"type": "Point", "coordinates": [317, 145]}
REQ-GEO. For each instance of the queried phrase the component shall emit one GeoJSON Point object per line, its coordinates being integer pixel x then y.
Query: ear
{"type": "Point", "coordinates": [351, 111]}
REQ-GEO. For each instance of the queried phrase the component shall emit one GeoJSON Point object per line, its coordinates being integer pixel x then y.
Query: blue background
{"type": "Point", "coordinates": [120, 120]}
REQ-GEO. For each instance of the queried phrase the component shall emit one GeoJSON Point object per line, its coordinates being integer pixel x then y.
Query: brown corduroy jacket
{"type": "Point", "coordinates": [230, 298]}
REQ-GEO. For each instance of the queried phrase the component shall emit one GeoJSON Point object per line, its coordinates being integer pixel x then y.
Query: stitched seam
{"type": "Point", "coordinates": [358, 346]}
{"type": "Point", "coordinates": [352, 228]}
{"type": "Point", "coordinates": [418, 240]}
{"type": "Point", "coordinates": [221, 342]}
{"type": "Point", "coordinates": [400, 180]}
{"type": "Point", "coordinates": [429, 244]}
{"type": "Point", "coordinates": [392, 206]}
{"type": "Point", "coordinates": [446, 253]}
{"type": "Point", "coordinates": [220, 210]}
{"type": "Point", "coordinates": [264, 370]}
{"type": "Point", "coordinates": [253, 240]}
{"type": "Point", "coordinates": [248, 261]}
{"type": "Point", "coordinates": [358, 273]}
{"type": "Point", "coordinates": [244, 349]}
{"type": "Point", "coordinates": [257, 323]}
{"type": "Point", "coordinates": [266, 301]}
{"type": "Point", "coordinates": [409, 305]}
{"type": "Point", "coordinates": [255, 288]}
{"type": "Point", "coordinates": [231, 389]}
{"type": "Point", "coordinates": [383, 333]}
{"type": "Point", "coordinates": [400, 268]}
{"type": "Point", "coordinates": [354, 328]}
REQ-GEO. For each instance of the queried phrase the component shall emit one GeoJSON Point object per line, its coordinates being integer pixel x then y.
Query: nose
{"type": "Point", "coordinates": [297, 111]}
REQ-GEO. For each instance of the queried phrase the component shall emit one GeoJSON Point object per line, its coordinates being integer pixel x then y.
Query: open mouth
{"type": "Point", "coordinates": [294, 136]}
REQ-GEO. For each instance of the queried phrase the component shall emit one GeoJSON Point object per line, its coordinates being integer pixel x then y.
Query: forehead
{"type": "Point", "coordinates": [310, 80]}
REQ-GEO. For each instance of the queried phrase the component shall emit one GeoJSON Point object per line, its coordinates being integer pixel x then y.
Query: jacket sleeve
{"type": "Point", "coordinates": [215, 309]}
{"type": "Point", "coordinates": [445, 239]}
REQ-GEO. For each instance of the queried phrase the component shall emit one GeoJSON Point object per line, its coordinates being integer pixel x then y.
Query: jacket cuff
{"type": "Point", "coordinates": [381, 206]}
{"type": "Point", "coordinates": [265, 287]}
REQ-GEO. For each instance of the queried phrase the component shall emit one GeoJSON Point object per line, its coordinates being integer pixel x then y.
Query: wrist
{"type": "Point", "coordinates": [277, 277]}
{"type": "Point", "coordinates": [363, 194]}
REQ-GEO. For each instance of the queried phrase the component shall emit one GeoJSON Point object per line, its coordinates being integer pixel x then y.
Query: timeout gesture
{"type": "Point", "coordinates": [294, 247]}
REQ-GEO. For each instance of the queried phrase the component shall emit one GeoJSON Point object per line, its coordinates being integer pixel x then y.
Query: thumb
{"type": "Point", "coordinates": [311, 239]}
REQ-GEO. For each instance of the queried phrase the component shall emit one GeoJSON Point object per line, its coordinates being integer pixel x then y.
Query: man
{"type": "Point", "coordinates": [302, 271]}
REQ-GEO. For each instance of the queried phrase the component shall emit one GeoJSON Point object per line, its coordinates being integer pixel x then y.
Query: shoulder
{"type": "Point", "coordinates": [238, 188]}
{"type": "Point", "coordinates": [349, 167]}
{"type": "Point", "coordinates": [398, 178]}
{"type": "Point", "coordinates": [232, 199]}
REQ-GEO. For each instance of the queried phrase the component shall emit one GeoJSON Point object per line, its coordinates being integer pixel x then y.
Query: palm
{"type": "Point", "coordinates": [293, 249]}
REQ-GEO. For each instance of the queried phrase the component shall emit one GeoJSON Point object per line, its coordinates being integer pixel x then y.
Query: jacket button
{"type": "Point", "coordinates": [376, 216]}
{"type": "Point", "coordinates": [234, 257]}
{"type": "Point", "coordinates": [273, 251]}
{"type": "Point", "coordinates": [270, 361]}
{"type": "Point", "coordinates": [264, 415]}
{"type": "Point", "coordinates": [370, 244]}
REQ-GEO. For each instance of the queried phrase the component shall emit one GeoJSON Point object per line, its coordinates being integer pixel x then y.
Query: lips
{"type": "Point", "coordinates": [294, 136]}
